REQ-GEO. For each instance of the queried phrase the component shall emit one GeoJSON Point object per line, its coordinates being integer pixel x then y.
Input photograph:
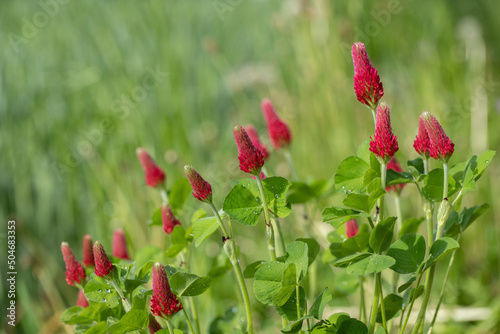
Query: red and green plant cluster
{"type": "Point", "coordinates": [382, 256]}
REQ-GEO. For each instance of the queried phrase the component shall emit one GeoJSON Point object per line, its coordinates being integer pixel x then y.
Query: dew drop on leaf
{"type": "Point", "coordinates": [107, 290]}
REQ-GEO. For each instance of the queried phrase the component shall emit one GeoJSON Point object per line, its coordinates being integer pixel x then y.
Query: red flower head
{"type": "Point", "coordinates": [88, 254]}
{"type": "Point", "coordinates": [82, 300]}
{"type": "Point", "coordinates": [74, 269]}
{"type": "Point", "coordinates": [254, 137]}
{"type": "Point", "coordinates": [367, 83]}
{"type": "Point", "coordinates": [422, 142]}
{"type": "Point", "coordinates": [250, 157]}
{"type": "Point", "coordinates": [120, 245]}
{"type": "Point", "coordinates": [384, 143]}
{"type": "Point", "coordinates": [153, 174]}
{"type": "Point", "coordinates": [394, 165]}
{"type": "Point", "coordinates": [164, 303]}
{"type": "Point", "coordinates": [153, 325]}
{"type": "Point", "coordinates": [202, 190]}
{"type": "Point", "coordinates": [277, 129]}
{"type": "Point", "coordinates": [103, 266]}
{"type": "Point", "coordinates": [351, 228]}
{"type": "Point", "coordinates": [168, 219]}
{"type": "Point", "coordinates": [441, 147]}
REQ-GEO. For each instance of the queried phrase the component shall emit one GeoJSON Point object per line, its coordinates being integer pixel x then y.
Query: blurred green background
{"type": "Point", "coordinates": [77, 96]}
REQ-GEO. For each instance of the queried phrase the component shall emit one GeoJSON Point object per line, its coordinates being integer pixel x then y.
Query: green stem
{"type": "Point", "coordinates": [445, 184]}
{"type": "Point", "coordinates": [126, 303]}
{"type": "Point", "coordinates": [297, 294]}
{"type": "Point", "coordinates": [169, 326]}
{"type": "Point", "coordinates": [383, 178]}
{"type": "Point", "coordinates": [277, 226]}
{"type": "Point", "coordinates": [187, 320]}
{"type": "Point", "coordinates": [373, 316]}
{"type": "Point", "coordinates": [374, 115]}
{"type": "Point", "coordinates": [419, 279]}
{"type": "Point", "coordinates": [397, 228]}
{"type": "Point", "coordinates": [382, 307]}
{"type": "Point", "coordinates": [219, 219]}
{"type": "Point", "coordinates": [194, 312]}
{"type": "Point", "coordinates": [441, 295]}
{"type": "Point", "coordinates": [423, 308]}
{"type": "Point", "coordinates": [269, 229]}
{"type": "Point", "coordinates": [164, 196]}
{"type": "Point", "coordinates": [231, 253]}
{"type": "Point", "coordinates": [289, 160]}
{"type": "Point", "coordinates": [362, 305]}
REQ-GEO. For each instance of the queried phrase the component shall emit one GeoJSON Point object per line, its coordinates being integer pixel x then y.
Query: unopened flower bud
{"type": "Point", "coordinates": [351, 228]}
{"type": "Point", "coordinates": [384, 143]}
{"type": "Point", "coordinates": [202, 190]}
{"type": "Point", "coordinates": [367, 84]}
{"type": "Point", "coordinates": [120, 245]}
{"type": "Point", "coordinates": [103, 266]}
{"type": "Point", "coordinates": [74, 269]}
{"type": "Point", "coordinates": [153, 325]}
{"type": "Point", "coordinates": [441, 147]}
{"type": "Point", "coordinates": [164, 303]}
{"type": "Point", "coordinates": [278, 131]}
{"type": "Point", "coordinates": [88, 254]}
{"type": "Point", "coordinates": [254, 137]}
{"type": "Point", "coordinates": [168, 219]}
{"type": "Point", "coordinates": [82, 300]}
{"type": "Point", "coordinates": [250, 157]}
{"type": "Point", "coordinates": [153, 174]}
{"type": "Point", "coordinates": [444, 212]}
{"type": "Point", "coordinates": [422, 142]}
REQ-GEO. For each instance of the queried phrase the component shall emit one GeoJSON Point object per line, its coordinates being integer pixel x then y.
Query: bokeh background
{"type": "Point", "coordinates": [83, 84]}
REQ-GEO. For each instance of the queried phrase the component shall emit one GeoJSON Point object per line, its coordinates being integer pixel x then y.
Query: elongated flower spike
{"type": "Point", "coordinates": [103, 266]}
{"type": "Point", "coordinates": [153, 325]}
{"type": "Point", "coordinates": [168, 219]}
{"type": "Point", "coordinates": [202, 190]}
{"type": "Point", "coordinates": [351, 228]}
{"type": "Point", "coordinates": [82, 300]}
{"type": "Point", "coordinates": [441, 147]}
{"type": "Point", "coordinates": [254, 137]}
{"type": "Point", "coordinates": [367, 84]}
{"type": "Point", "coordinates": [394, 165]}
{"type": "Point", "coordinates": [164, 303]}
{"type": "Point", "coordinates": [74, 269]}
{"type": "Point", "coordinates": [153, 175]}
{"type": "Point", "coordinates": [278, 131]}
{"type": "Point", "coordinates": [250, 157]}
{"type": "Point", "coordinates": [88, 254]}
{"type": "Point", "coordinates": [422, 142]}
{"type": "Point", "coordinates": [120, 245]}
{"type": "Point", "coordinates": [384, 143]}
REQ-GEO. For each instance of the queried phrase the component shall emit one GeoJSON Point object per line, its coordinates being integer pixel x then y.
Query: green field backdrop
{"type": "Point", "coordinates": [84, 83]}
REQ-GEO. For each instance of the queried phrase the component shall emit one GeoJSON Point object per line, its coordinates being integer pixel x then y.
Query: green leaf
{"type": "Point", "coordinates": [99, 328]}
{"type": "Point", "coordinates": [348, 260]}
{"type": "Point", "coordinates": [313, 249]}
{"type": "Point", "coordinates": [363, 151]}
{"type": "Point", "coordinates": [433, 185]}
{"type": "Point", "coordinates": [198, 214]}
{"type": "Point", "coordinates": [394, 177]}
{"type": "Point", "coordinates": [381, 236]}
{"type": "Point", "coordinates": [440, 248]}
{"type": "Point", "coordinates": [345, 284]}
{"type": "Point", "coordinates": [156, 219]}
{"type": "Point", "coordinates": [301, 192]}
{"type": "Point", "coordinates": [267, 281]}
{"type": "Point", "coordinates": [470, 215]}
{"type": "Point", "coordinates": [336, 216]}
{"type": "Point", "coordinates": [187, 284]}
{"type": "Point", "coordinates": [289, 309]}
{"type": "Point", "coordinates": [288, 283]}
{"type": "Point", "coordinates": [178, 194]}
{"type": "Point", "coordinates": [410, 226]}
{"type": "Point", "coordinates": [406, 285]}
{"type": "Point", "coordinates": [296, 253]}
{"type": "Point", "coordinates": [131, 321]}
{"type": "Point", "coordinates": [100, 291]}
{"type": "Point", "coordinates": [179, 241]}
{"type": "Point", "coordinates": [393, 304]}
{"type": "Point", "coordinates": [482, 162]}
{"type": "Point", "coordinates": [357, 201]}
{"type": "Point", "coordinates": [372, 264]}
{"type": "Point", "coordinates": [350, 174]}
{"type": "Point", "coordinates": [148, 254]}
{"type": "Point", "coordinates": [352, 326]}
{"type": "Point", "coordinates": [352, 245]}
{"type": "Point", "coordinates": [250, 270]}
{"type": "Point", "coordinates": [319, 304]}
{"type": "Point", "coordinates": [242, 205]}
{"type": "Point", "coordinates": [276, 188]}
{"type": "Point", "coordinates": [409, 253]}
{"type": "Point", "coordinates": [416, 168]}
{"type": "Point", "coordinates": [203, 228]}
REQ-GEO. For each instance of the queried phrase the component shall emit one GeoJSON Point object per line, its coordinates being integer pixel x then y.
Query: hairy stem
{"type": "Point", "coordinates": [126, 303]}
{"type": "Point", "coordinates": [373, 316]}
{"type": "Point", "coordinates": [187, 320]}
{"type": "Point", "coordinates": [219, 220]}
{"type": "Point", "coordinates": [269, 229]}
{"type": "Point", "coordinates": [362, 305]}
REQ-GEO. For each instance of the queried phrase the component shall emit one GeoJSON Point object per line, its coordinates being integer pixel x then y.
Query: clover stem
{"type": "Point", "coordinates": [219, 220]}
{"type": "Point", "coordinates": [269, 229]}
{"type": "Point", "coordinates": [187, 320]}
{"type": "Point", "coordinates": [169, 326]}
{"type": "Point", "coordinates": [373, 316]}
{"type": "Point", "coordinates": [362, 306]}
{"type": "Point", "coordinates": [125, 301]}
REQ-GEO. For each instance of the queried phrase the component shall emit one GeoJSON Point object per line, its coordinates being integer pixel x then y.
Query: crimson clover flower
{"type": "Point", "coordinates": [164, 303]}
{"type": "Point", "coordinates": [395, 166]}
{"type": "Point", "coordinates": [120, 245]}
{"type": "Point", "coordinates": [278, 131]}
{"type": "Point", "coordinates": [351, 228]}
{"type": "Point", "coordinates": [250, 157]}
{"type": "Point", "coordinates": [202, 190]}
{"type": "Point", "coordinates": [88, 254]}
{"type": "Point", "coordinates": [422, 142]}
{"type": "Point", "coordinates": [153, 174]}
{"type": "Point", "coordinates": [367, 84]}
{"type": "Point", "coordinates": [254, 137]}
{"type": "Point", "coordinates": [384, 143]}
{"type": "Point", "coordinates": [441, 147]}
{"type": "Point", "coordinates": [103, 266]}
{"type": "Point", "coordinates": [74, 269]}
{"type": "Point", "coordinates": [168, 219]}
{"type": "Point", "coordinates": [82, 300]}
